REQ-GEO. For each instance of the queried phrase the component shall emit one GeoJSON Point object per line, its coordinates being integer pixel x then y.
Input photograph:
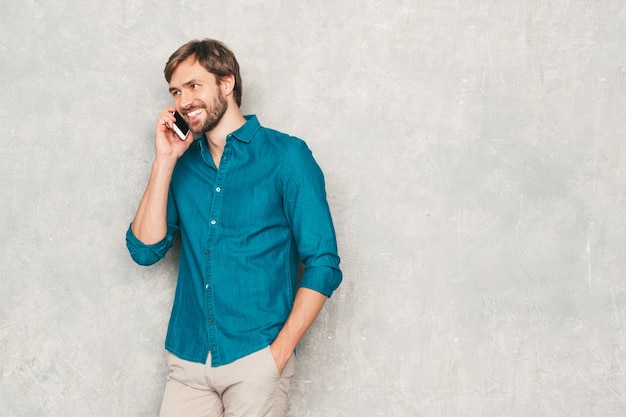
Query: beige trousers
{"type": "Point", "coordinates": [250, 387]}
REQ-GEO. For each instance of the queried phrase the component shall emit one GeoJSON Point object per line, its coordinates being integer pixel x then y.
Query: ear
{"type": "Point", "coordinates": [227, 84]}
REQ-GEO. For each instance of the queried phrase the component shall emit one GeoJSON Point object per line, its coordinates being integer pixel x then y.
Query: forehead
{"type": "Point", "coordinates": [190, 70]}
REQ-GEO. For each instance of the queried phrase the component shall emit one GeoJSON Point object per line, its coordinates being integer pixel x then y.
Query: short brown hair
{"type": "Point", "coordinates": [214, 56]}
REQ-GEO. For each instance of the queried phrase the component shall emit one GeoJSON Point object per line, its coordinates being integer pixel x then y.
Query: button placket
{"type": "Point", "coordinates": [214, 213]}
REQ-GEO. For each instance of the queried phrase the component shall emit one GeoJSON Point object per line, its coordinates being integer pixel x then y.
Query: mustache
{"type": "Point", "coordinates": [193, 106]}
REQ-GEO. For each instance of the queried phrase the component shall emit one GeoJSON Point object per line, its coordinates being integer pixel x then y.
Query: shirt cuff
{"type": "Point", "coordinates": [146, 254]}
{"type": "Point", "coordinates": [323, 279]}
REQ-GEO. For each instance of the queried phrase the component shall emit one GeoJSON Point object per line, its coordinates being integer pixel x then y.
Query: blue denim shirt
{"type": "Point", "coordinates": [243, 228]}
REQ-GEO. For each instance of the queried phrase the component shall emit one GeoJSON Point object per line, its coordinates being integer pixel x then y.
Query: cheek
{"type": "Point", "coordinates": [201, 99]}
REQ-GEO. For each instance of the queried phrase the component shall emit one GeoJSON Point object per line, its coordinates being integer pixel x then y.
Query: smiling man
{"type": "Point", "coordinates": [249, 203]}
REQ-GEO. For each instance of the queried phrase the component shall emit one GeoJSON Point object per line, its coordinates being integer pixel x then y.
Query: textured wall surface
{"type": "Point", "coordinates": [475, 161]}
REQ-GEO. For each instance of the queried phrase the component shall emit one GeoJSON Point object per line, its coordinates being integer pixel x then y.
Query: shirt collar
{"type": "Point", "coordinates": [247, 131]}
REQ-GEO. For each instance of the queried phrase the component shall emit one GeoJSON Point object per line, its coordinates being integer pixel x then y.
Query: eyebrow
{"type": "Point", "coordinates": [187, 84]}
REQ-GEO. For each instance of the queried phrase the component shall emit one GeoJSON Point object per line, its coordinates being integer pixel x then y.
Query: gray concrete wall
{"type": "Point", "coordinates": [476, 168]}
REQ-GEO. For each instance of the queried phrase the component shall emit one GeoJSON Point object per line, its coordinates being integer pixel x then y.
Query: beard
{"type": "Point", "coordinates": [214, 115]}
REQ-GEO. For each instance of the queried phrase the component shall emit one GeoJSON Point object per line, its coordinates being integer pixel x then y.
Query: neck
{"type": "Point", "coordinates": [231, 121]}
{"type": "Point", "coordinates": [216, 138]}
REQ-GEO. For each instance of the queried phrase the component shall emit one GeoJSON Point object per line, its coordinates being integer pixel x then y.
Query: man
{"type": "Point", "coordinates": [248, 202]}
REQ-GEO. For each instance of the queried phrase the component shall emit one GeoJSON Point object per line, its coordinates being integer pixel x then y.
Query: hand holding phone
{"type": "Point", "coordinates": [180, 126]}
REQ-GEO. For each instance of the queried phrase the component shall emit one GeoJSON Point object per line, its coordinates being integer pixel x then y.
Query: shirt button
{"type": "Point", "coordinates": [218, 189]}
{"type": "Point", "coordinates": [213, 222]}
{"type": "Point", "coordinates": [207, 286]}
{"type": "Point", "coordinates": [210, 320]}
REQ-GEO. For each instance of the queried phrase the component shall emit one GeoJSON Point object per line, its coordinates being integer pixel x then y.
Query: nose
{"type": "Point", "coordinates": [186, 99]}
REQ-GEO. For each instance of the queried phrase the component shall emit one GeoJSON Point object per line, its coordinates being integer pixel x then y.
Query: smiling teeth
{"type": "Point", "coordinates": [194, 113]}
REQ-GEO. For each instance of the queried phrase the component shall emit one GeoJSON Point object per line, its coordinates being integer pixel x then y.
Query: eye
{"type": "Point", "coordinates": [175, 93]}
{"type": "Point", "coordinates": [194, 86]}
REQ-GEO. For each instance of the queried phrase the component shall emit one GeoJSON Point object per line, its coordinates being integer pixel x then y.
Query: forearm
{"type": "Point", "coordinates": [150, 222]}
{"type": "Point", "coordinates": [306, 308]}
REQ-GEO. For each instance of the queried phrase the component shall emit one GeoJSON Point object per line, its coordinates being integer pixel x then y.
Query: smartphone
{"type": "Point", "coordinates": [180, 126]}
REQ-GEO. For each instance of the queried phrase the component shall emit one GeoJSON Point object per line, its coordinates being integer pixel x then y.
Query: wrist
{"type": "Point", "coordinates": [281, 356]}
{"type": "Point", "coordinates": [164, 162]}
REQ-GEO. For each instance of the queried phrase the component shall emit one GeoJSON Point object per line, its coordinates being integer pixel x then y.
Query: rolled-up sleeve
{"type": "Point", "coordinates": [147, 254]}
{"type": "Point", "coordinates": [307, 210]}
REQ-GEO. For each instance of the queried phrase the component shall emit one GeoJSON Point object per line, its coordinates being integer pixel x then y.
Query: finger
{"type": "Point", "coordinates": [167, 120]}
{"type": "Point", "coordinates": [167, 115]}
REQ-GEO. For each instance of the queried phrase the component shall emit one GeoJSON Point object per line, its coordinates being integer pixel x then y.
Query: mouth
{"type": "Point", "coordinates": [193, 114]}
